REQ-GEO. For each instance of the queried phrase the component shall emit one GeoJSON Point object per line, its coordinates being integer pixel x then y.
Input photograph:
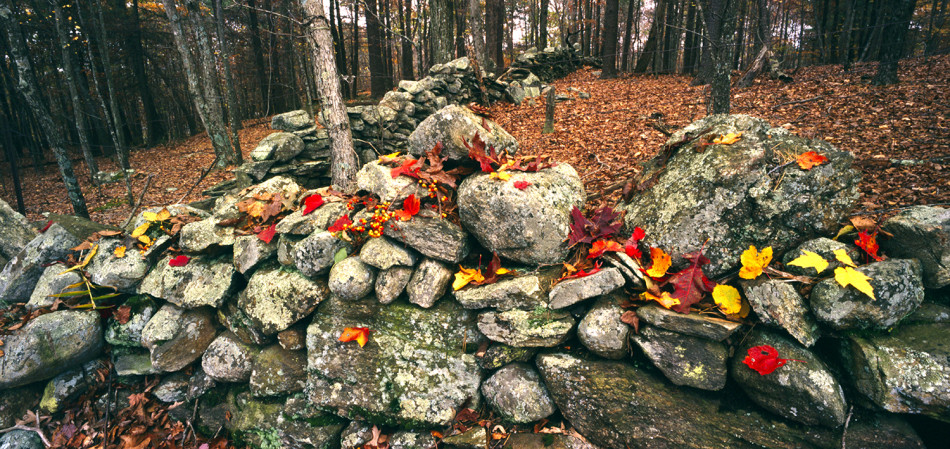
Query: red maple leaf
{"type": "Point", "coordinates": [604, 223]}
{"type": "Point", "coordinates": [406, 168]}
{"type": "Point", "coordinates": [268, 234]}
{"type": "Point", "coordinates": [340, 224]}
{"type": "Point", "coordinates": [868, 242]}
{"type": "Point", "coordinates": [312, 203]}
{"type": "Point", "coordinates": [632, 245]}
{"type": "Point", "coordinates": [690, 284]}
{"type": "Point", "coordinates": [493, 271]}
{"type": "Point", "coordinates": [485, 158]}
{"type": "Point", "coordinates": [584, 273]}
{"type": "Point", "coordinates": [410, 207]}
{"type": "Point", "coordinates": [601, 246]}
{"type": "Point", "coordinates": [360, 334]}
{"type": "Point", "coordinates": [521, 185]}
{"type": "Point", "coordinates": [179, 261]}
{"type": "Point", "coordinates": [764, 359]}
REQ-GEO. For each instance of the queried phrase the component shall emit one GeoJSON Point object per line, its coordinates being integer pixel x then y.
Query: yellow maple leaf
{"type": "Point", "coordinates": [843, 257]}
{"type": "Point", "coordinates": [501, 271]}
{"type": "Point", "coordinates": [753, 262]}
{"type": "Point", "coordinates": [141, 230]}
{"type": "Point", "coordinates": [728, 139]}
{"type": "Point", "coordinates": [849, 276]}
{"type": "Point", "coordinates": [502, 175]}
{"type": "Point", "coordinates": [728, 299]}
{"type": "Point", "coordinates": [85, 261]}
{"type": "Point", "coordinates": [388, 157]}
{"type": "Point", "coordinates": [664, 299]}
{"type": "Point", "coordinates": [119, 252]}
{"type": "Point", "coordinates": [661, 263]}
{"type": "Point", "coordinates": [466, 275]}
{"type": "Point", "coordinates": [161, 215]}
{"type": "Point", "coordinates": [809, 259]}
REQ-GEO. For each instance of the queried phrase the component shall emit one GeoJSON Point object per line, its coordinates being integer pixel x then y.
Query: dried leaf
{"type": "Point", "coordinates": [521, 185]}
{"type": "Point", "coordinates": [119, 251]}
{"type": "Point", "coordinates": [809, 259]}
{"type": "Point", "coordinates": [764, 359]}
{"type": "Point", "coordinates": [664, 299]}
{"type": "Point", "coordinates": [340, 224]}
{"type": "Point", "coordinates": [141, 230]}
{"type": "Point", "coordinates": [728, 139]}
{"type": "Point", "coordinates": [268, 234]}
{"type": "Point", "coordinates": [410, 207]}
{"type": "Point", "coordinates": [122, 314]}
{"type": "Point", "coordinates": [868, 242]}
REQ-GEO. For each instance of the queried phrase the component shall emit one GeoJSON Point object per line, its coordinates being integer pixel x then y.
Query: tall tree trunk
{"type": "Point", "coordinates": [377, 66]}
{"type": "Point", "coordinates": [893, 37]}
{"type": "Point", "coordinates": [405, 16]}
{"type": "Point", "coordinates": [649, 48]}
{"type": "Point", "coordinates": [28, 86]}
{"type": "Point", "coordinates": [495, 33]}
{"type": "Point", "coordinates": [740, 36]}
{"type": "Point", "coordinates": [628, 26]}
{"type": "Point", "coordinates": [233, 106]}
{"type": "Point", "coordinates": [693, 36]}
{"type": "Point", "coordinates": [719, 18]}
{"type": "Point", "coordinates": [938, 17]}
{"type": "Point", "coordinates": [441, 36]}
{"type": "Point", "coordinates": [587, 25]}
{"type": "Point", "coordinates": [6, 131]}
{"type": "Point", "coordinates": [154, 128]}
{"type": "Point", "coordinates": [844, 45]}
{"type": "Point", "coordinates": [543, 25]}
{"type": "Point", "coordinates": [460, 16]}
{"type": "Point", "coordinates": [343, 160]}
{"type": "Point", "coordinates": [476, 23]}
{"type": "Point", "coordinates": [74, 93]}
{"type": "Point", "coordinates": [609, 53]}
{"type": "Point", "coordinates": [257, 52]}
{"type": "Point", "coordinates": [355, 58]}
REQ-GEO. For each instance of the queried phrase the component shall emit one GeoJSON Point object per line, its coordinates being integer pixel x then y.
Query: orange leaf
{"type": "Point", "coordinates": [602, 246]}
{"type": "Point", "coordinates": [360, 334]}
{"type": "Point", "coordinates": [810, 159]}
{"type": "Point", "coordinates": [664, 299]}
{"type": "Point", "coordinates": [661, 263]}
{"type": "Point", "coordinates": [753, 262]}
{"type": "Point", "coordinates": [410, 207]}
{"type": "Point", "coordinates": [728, 139]}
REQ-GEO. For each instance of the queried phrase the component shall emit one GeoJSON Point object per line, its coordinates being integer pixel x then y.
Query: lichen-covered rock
{"type": "Point", "coordinates": [293, 338]}
{"type": "Point", "coordinates": [602, 332]}
{"type": "Point", "coordinates": [526, 291]}
{"type": "Point", "coordinates": [898, 291]}
{"type": "Point", "coordinates": [21, 439]}
{"type": "Point", "coordinates": [778, 303]}
{"type": "Point", "coordinates": [383, 253]}
{"type": "Point", "coordinates": [351, 279]}
{"type": "Point", "coordinates": [391, 283]}
{"type": "Point", "coordinates": [452, 126]}
{"type": "Point", "coordinates": [280, 146]}
{"type": "Point", "coordinates": [825, 248]}
{"type": "Point", "coordinates": [429, 283]}
{"type": "Point", "coordinates": [123, 273]}
{"type": "Point", "coordinates": [141, 310]}
{"type": "Point", "coordinates": [202, 235]}
{"type": "Point", "coordinates": [162, 326]}
{"type": "Point", "coordinates": [412, 440]}
{"type": "Point", "coordinates": [573, 291]}
{"type": "Point", "coordinates": [190, 336]}
{"type": "Point", "coordinates": [473, 438]}
{"type": "Point", "coordinates": [236, 321]}
{"type": "Point", "coordinates": [689, 324]}
{"type": "Point", "coordinates": [62, 390]}
{"type": "Point", "coordinates": [616, 406]}
{"type": "Point", "coordinates": [275, 422]}
{"type": "Point", "coordinates": [414, 371]}
{"type": "Point", "coordinates": [250, 251]}
{"type": "Point", "coordinates": [53, 281]}
{"type": "Point", "coordinates": [905, 371]}
{"type": "Point", "coordinates": [276, 298]}
{"type": "Point", "coordinates": [498, 355]}
{"type": "Point", "coordinates": [15, 231]}
{"type": "Point", "coordinates": [48, 345]}
{"type": "Point", "coordinates": [376, 178]}
{"type": "Point", "coordinates": [228, 359]}
{"type": "Point", "coordinates": [803, 390]}
{"type": "Point", "coordinates": [318, 220]}
{"type": "Point", "coordinates": [725, 194]}
{"type": "Point", "coordinates": [529, 226]}
{"type": "Point", "coordinates": [201, 282]}
{"type": "Point", "coordinates": [517, 394]}
{"type": "Point", "coordinates": [522, 328]}
{"type": "Point", "coordinates": [133, 363]}
{"type": "Point", "coordinates": [685, 359]}
{"type": "Point", "coordinates": [278, 371]}
{"type": "Point", "coordinates": [923, 233]}
{"type": "Point", "coordinates": [432, 236]}
{"type": "Point", "coordinates": [313, 255]}
{"type": "Point", "coordinates": [291, 121]}
{"type": "Point", "coordinates": [20, 274]}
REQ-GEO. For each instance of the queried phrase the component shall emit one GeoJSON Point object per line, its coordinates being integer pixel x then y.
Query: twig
{"type": "Point", "coordinates": [202, 178]}
{"type": "Point", "coordinates": [844, 433]}
{"type": "Point", "coordinates": [135, 207]}
{"type": "Point", "coordinates": [819, 97]}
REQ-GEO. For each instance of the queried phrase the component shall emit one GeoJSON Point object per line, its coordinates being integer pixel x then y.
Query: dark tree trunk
{"type": "Point", "coordinates": [355, 57]}
{"type": "Point", "coordinates": [405, 18]}
{"type": "Point", "coordinates": [460, 16]}
{"type": "Point", "coordinates": [588, 24]}
{"type": "Point", "coordinates": [609, 54]}
{"type": "Point", "coordinates": [476, 20]}
{"type": "Point", "coordinates": [628, 26]}
{"type": "Point", "coordinates": [337, 33]}
{"type": "Point", "coordinates": [495, 33]}
{"type": "Point", "coordinates": [844, 45]}
{"type": "Point", "coordinates": [740, 35]}
{"type": "Point", "coordinates": [28, 86]}
{"type": "Point", "coordinates": [649, 48]}
{"type": "Point", "coordinates": [377, 66]}
{"type": "Point", "coordinates": [893, 38]}
{"type": "Point", "coordinates": [6, 131]}
{"type": "Point", "coordinates": [693, 39]}
{"type": "Point", "coordinates": [718, 16]}
{"type": "Point", "coordinates": [543, 25]}
{"type": "Point", "coordinates": [441, 34]}
{"type": "Point", "coordinates": [154, 128]}
{"type": "Point", "coordinates": [233, 106]}
{"type": "Point", "coordinates": [257, 53]}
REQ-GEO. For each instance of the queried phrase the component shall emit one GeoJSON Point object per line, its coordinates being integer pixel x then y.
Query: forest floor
{"type": "Point", "coordinates": [606, 136]}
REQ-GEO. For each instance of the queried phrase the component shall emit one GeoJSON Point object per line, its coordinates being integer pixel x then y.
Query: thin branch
{"type": "Point", "coordinates": [135, 207]}
{"type": "Point", "coordinates": [202, 178]}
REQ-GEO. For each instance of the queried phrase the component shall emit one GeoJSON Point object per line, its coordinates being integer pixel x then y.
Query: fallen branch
{"type": "Point", "coordinates": [819, 97]}
{"type": "Point", "coordinates": [135, 207]}
{"type": "Point", "coordinates": [202, 178]}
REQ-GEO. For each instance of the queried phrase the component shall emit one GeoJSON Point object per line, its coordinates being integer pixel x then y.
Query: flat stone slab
{"type": "Point", "coordinates": [690, 324]}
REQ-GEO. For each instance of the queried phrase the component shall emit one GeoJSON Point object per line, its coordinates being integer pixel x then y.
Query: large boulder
{"type": "Point", "coordinates": [276, 298]}
{"type": "Point", "coordinates": [15, 231]}
{"type": "Point", "coordinates": [923, 233]}
{"type": "Point", "coordinates": [376, 178]}
{"type": "Point", "coordinates": [453, 125]}
{"type": "Point", "coordinates": [48, 345]}
{"type": "Point", "coordinates": [123, 273]}
{"type": "Point", "coordinates": [530, 225]}
{"type": "Point", "coordinates": [898, 291]}
{"type": "Point", "coordinates": [291, 121]}
{"type": "Point", "coordinates": [280, 146]}
{"type": "Point", "coordinates": [733, 196]}
{"type": "Point", "coordinates": [203, 281]}
{"type": "Point", "coordinates": [414, 371]}
{"type": "Point", "coordinates": [54, 280]}
{"type": "Point", "coordinates": [20, 274]}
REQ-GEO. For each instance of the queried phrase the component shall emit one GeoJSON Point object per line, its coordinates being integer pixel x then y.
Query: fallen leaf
{"type": "Point", "coordinates": [268, 234]}
{"type": "Point", "coordinates": [601, 246]}
{"type": "Point", "coordinates": [728, 139]}
{"type": "Point", "coordinates": [521, 185]}
{"type": "Point", "coordinates": [406, 168]}
{"type": "Point", "coordinates": [603, 223]}
{"type": "Point", "coordinates": [664, 299]}
{"type": "Point", "coordinates": [809, 259]}
{"type": "Point", "coordinates": [630, 317]}
{"type": "Point", "coordinates": [178, 261]}
{"type": "Point", "coordinates": [868, 242]}
{"type": "Point", "coordinates": [810, 159]}
{"type": "Point", "coordinates": [764, 359]}
{"type": "Point", "coordinates": [843, 257]}
{"type": "Point", "coordinates": [141, 230]}
{"type": "Point", "coordinates": [844, 230]}
{"type": "Point", "coordinates": [122, 314]}
{"type": "Point", "coordinates": [753, 262]}
{"type": "Point", "coordinates": [690, 284]}
{"type": "Point", "coordinates": [501, 175]}
{"type": "Point", "coordinates": [632, 246]}
{"type": "Point", "coordinates": [661, 263]}
{"type": "Point", "coordinates": [360, 334]}
{"type": "Point", "coordinates": [312, 203]}
{"type": "Point", "coordinates": [410, 207]}
{"type": "Point", "coordinates": [728, 299]}
{"type": "Point", "coordinates": [466, 275]}
{"type": "Point", "coordinates": [849, 276]}
{"type": "Point", "coordinates": [340, 224]}
{"type": "Point", "coordinates": [119, 251]}
{"type": "Point", "coordinates": [388, 157]}
{"type": "Point", "coordinates": [161, 215]}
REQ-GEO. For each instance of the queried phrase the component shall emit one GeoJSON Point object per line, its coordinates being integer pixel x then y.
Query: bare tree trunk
{"type": "Point", "coordinates": [257, 52]}
{"type": "Point", "coordinates": [894, 34]}
{"type": "Point", "coordinates": [343, 160]}
{"type": "Point", "coordinates": [442, 36]}
{"type": "Point", "coordinates": [543, 25]}
{"type": "Point", "coordinates": [355, 58]}
{"type": "Point", "coordinates": [718, 16]}
{"type": "Point", "coordinates": [476, 23]}
{"type": "Point", "coordinates": [649, 48]}
{"type": "Point", "coordinates": [29, 88]}
{"type": "Point", "coordinates": [405, 18]}
{"type": "Point", "coordinates": [374, 38]}
{"type": "Point", "coordinates": [495, 34]}
{"type": "Point", "coordinates": [154, 128]}
{"type": "Point", "coordinates": [628, 25]}
{"type": "Point", "coordinates": [609, 53]}
{"type": "Point", "coordinates": [233, 106]}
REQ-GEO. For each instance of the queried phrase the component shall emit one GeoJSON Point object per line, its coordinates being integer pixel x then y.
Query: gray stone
{"type": "Point", "coordinates": [473, 438]}
{"type": "Point", "coordinates": [825, 248]}
{"type": "Point", "coordinates": [602, 332]}
{"type": "Point", "coordinates": [62, 390]}
{"type": "Point", "coordinates": [313, 255]}
{"type": "Point", "coordinates": [453, 125]}
{"type": "Point", "coordinates": [21, 439]}
{"type": "Point", "coordinates": [429, 283]}
{"type": "Point", "coordinates": [285, 249]}
{"type": "Point", "coordinates": [412, 440]}
{"type": "Point", "coordinates": [20, 274]}
{"type": "Point", "coordinates": [280, 146]}
{"type": "Point", "coordinates": [376, 178]}
{"type": "Point", "coordinates": [351, 279]}
{"type": "Point", "coordinates": [200, 236]}
{"type": "Point", "coordinates": [193, 332]}
{"type": "Point", "coordinates": [172, 388]}
{"type": "Point", "coordinates": [529, 226]}
{"type": "Point", "coordinates": [318, 220]}
{"type": "Point", "coordinates": [48, 345]}
{"type": "Point", "coordinates": [250, 251]}
{"type": "Point", "coordinates": [136, 363]}
{"type": "Point", "coordinates": [778, 303]}
{"type": "Point", "coordinates": [162, 326]}
{"type": "Point", "coordinates": [228, 359]}
{"type": "Point", "coordinates": [685, 359]}
{"type": "Point", "coordinates": [276, 298]}
{"type": "Point", "coordinates": [572, 291]}
{"type": "Point", "coordinates": [141, 311]}
{"type": "Point", "coordinates": [517, 394]}
{"type": "Point", "coordinates": [123, 273]}
{"type": "Point", "coordinates": [236, 321]}
{"type": "Point", "coordinates": [725, 192]}
{"type": "Point", "coordinates": [546, 441]}
{"type": "Point", "coordinates": [280, 423]}
{"type": "Point", "coordinates": [923, 233]}
{"type": "Point", "coordinates": [391, 283]}
{"type": "Point", "coordinates": [15, 231]}
{"type": "Point", "coordinates": [905, 371]}
{"type": "Point", "coordinates": [432, 236]}
{"type": "Point", "coordinates": [257, 170]}
{"type": "Point", "coordinates": [53, 281]}
{"type": "Point", "coordinates": [690, 324]}
{"type": "Point", "coordinates": [526, 291]}
{"type": "Point", "coordinates": [498, 355]}
{"type": "Point", "coordinates": [898, 291]}
{"type": "Point", "coordinates": [521, 328]}
{"type": "Point", "coordinates": [803, 391]}
{"type": "Point", "coordinates": [201, 282]}
{"type": "Point", "coordinates": [278, 371]}
{"type": "Point", "coordinates": [383, 253]}
{"type": "Point", "coordinates": [292, 121]}
{"type": "Point", "coordinates": [414, 370]}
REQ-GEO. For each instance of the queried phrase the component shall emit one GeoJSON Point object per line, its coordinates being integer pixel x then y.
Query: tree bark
{"type": "Point", "coordinates": [343, 160]}
{"type": "Point", "coordinates": [476, 23]}
{"type": "Point", "coordinates": [441, 36]}
{"type": "Point", "coordinates": [894, 34]}
{"type": "Point", "coordinates": [649, 48]}
{"type": "Point", "coordinates": [355, 57]}
{"type": "Point", "coordinates": [257, 52]}
{"type": "Point", "coordinates": [543, 25]}
{"type": "Point", "coordinates": [628, 26]}
{"type": "Point", "coordinates": [28, 86]}
{"type": "Point", "coordinates": [374, 37]}
{"type": "Point", "coordinates": [405, 17]}
{"type": "Point", "coordinates": [495, 34]}
{"type": "Point", "coordinates": [718, 16]}
{"type": "Point", "coordinates": [233, 106]}
{"type": "Point", "coordinates": [154, 128]}
{"type": "Point", "coordinates": [549, 112]}
{"type": "Point", "coordinates": [609, 53]}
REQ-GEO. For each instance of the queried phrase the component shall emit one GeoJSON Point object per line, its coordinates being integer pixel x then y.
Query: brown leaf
{"type": "Point", "coordinates": [630, 317]}
{"type": "Point", "coordinates": [122, 314]}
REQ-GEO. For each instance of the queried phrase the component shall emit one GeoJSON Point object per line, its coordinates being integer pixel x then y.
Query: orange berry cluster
{"type": "Point", "coordinates": [432, 188]}
{"type": "Point", "coordinates": [376, 224]}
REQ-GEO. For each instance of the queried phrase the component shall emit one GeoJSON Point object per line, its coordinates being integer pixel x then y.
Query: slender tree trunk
{"type": "Point", "coordinates": [6, 131]}
{"type": "Point", "coordinates": [257, 53]}
{"type": "Point", "coordinates": [719, 19]}
{"type": "Point", "coordinates": [494, 14]}
{"type": "Point", "coordinates": [29, 88]}
{"type": "Point", "coordinates": [844, 45]}
{"type": "Point", "coordinates": [355, 58]}
{"type": "Point", "coordinates": [405, 17]}
{"type": "Point", "coordinates": [692, 43]}
{"type": "Point", "coordinates": [74, 94]}
{"type": "Point", "coordinates": [628, 26]}
{"type": "Point", "coordinates": [343, 160]}
{"type": "Point", "coordinates": [442, 36]}
{"type": "Point", "coordinates": [477, 31]}
{"type": "Point", "coordinates": [609, 54]}
{"type": "Point", "coordinates": [543, 25]}
{"type": "Point", "coordinates": [233, 105]}
{"type": "Point", "coordinates": [649, 48]}
{"type": "Point", "coordinates": [154, 128]}
{"type": "Point", "coordinates": [740, 36]}
{"type": "Point", "coordinates": [588, 24]}
{"type": "Point", "coordinates": [374, 37]}
{"type": "Point", "coordinates": [894, 35]}
{"type": "Point", "coordinates": [460, 20]}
